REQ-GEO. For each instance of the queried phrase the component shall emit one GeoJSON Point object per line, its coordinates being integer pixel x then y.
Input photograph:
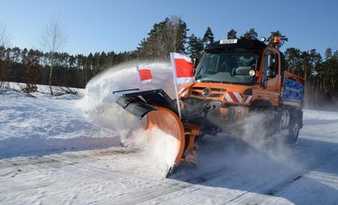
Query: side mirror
{"type": "Point", "coordinates": [267, 73]}
{"type": "Point", "coordinates": [266, 76]}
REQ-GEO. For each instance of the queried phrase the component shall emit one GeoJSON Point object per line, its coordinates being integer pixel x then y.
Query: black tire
{"type": "Point", "coordinates": [293, 131]}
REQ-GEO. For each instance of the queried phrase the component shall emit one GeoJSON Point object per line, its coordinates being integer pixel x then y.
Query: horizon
{"type": "Point", "coordinates": [84, 23]}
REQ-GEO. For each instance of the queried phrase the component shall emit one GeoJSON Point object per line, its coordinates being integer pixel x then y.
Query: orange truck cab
{"type": "Point", "coordinates": [238, 76]}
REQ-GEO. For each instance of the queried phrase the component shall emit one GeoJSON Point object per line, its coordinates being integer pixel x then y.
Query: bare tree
{"type": "Point", "coordinates": [53, 40]}
{"type": "Point", "coordinates": [4, 42]}
{"type": "Point", "coordinates": [4, 39]}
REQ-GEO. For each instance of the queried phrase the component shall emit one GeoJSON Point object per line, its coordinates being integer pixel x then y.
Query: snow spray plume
{"type": "Point", "coordinates": [99, 101]}
{"type": "Point", "coordinates": [256, 134]}
{"type": "Point", "coordinates": [99, 105]}
{"type": "Point", "coordinates": [253, 131]}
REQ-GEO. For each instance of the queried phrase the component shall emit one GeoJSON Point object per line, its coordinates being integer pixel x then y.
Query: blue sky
{"type": "Point", "coordinates": [119, 25]}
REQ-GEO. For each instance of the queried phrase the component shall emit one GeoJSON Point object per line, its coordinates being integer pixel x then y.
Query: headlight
{"type": "Point", "coordinates": [252, 73]}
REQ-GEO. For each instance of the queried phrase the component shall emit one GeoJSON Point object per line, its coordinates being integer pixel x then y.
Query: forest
{"type": "Point", "coordinates": [54, 67]}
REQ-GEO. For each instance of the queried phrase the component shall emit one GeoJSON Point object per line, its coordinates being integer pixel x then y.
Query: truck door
{"type": "Point", "coordinates": [272, 75]}
{"type": "Point", "coordinates": [271, 71]}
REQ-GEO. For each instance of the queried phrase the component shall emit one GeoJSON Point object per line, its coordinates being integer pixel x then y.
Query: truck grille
{"type": "Point", "coordinates": [207, 92]}
{"type": "Point", "coordinates": [228, 97]}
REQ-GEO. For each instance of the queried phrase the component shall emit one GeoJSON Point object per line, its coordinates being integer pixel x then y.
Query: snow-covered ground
{"type": "Point", "coordinates": [52, 153]}
{"type": "Point", "coordinates": [42, 125]}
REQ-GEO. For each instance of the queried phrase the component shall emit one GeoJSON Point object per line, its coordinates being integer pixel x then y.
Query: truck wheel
{"type": "Point", "coordinates": [293, 132]}
{"type": "Point", "coordinates": [285, 119]}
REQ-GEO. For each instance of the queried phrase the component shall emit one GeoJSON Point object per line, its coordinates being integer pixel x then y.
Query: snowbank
{"type": "Point", "coordinates": [42, 124]}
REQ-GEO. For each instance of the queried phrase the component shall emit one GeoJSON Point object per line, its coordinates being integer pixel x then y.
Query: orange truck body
{"type": "Point", "coordinates": [272, 89]}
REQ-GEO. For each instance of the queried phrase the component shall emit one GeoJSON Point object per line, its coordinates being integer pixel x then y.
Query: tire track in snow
{"type": "Point", "coordinates": [165, 189]}
{"type": "Point", "coordinates": [52, 159]}
{"type": "Point", "coordinates": [56, 162]}
{"type": "Point", "coordinates": [274, 188]}
{"type": "Point", "coordinates": [269, 186]}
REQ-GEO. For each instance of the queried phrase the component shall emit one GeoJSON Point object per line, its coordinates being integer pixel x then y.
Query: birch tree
{"type": "Point", "coordinates": [53, 41]}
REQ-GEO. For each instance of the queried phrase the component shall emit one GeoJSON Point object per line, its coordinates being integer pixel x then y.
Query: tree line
{"type": "Point", "coordinates": [170, 35]}
{"type": "Point", "coordinates": [33, 66]}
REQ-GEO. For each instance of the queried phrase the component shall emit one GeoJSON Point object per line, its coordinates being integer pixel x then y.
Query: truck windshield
{"type": "Point", "coordinates": [227, 67]}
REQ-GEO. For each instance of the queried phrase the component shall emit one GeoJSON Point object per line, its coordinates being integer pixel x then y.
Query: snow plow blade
{"type": "Point", "coordinates": [168, 122]}
{"type": "Point", "coordinates": [161, 113]}
{"type": "Point", "coordinates": [140, 103]}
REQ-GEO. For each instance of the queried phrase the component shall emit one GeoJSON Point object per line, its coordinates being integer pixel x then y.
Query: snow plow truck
{"type": "Point", "coordinates": [234, 78]}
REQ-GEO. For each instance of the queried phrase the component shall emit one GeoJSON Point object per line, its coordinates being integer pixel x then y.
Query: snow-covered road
{"type": "Point", "coordinates": [50, 154]}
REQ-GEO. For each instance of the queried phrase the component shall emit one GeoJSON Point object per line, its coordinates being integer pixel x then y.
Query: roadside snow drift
{"type": "Point", "coordinates": [42, 124]}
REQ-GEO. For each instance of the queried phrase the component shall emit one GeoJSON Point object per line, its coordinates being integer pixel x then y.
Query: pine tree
{"type": "Point", "coordinates": [335, 54]}
{"type": "Point", "coordinates": [251, 34]}
{"type": "Point", "coordinates": [195, 47]}
{"type": "Point", "coordinates": [294, 60]}
{"type": "Point", "coordinates": [208, 36]}
{"type": "Point", "coordinates": [166, 36]}
{"type": "Point", "coordinates": [232, 34]}
{"type": "Point", "coordinates": [328, 53]}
